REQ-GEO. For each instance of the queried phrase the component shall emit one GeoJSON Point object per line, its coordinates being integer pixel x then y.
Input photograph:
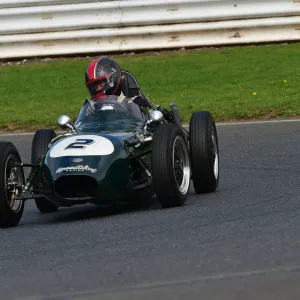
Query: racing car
{"type": "Point", "coordinates": [111, 155]}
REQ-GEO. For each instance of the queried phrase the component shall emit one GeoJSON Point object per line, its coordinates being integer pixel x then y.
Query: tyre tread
{"type": "Point", "coordinates": [39, 146]}
{"type": "Point", "coordinates": [7, 217]}
{"type": "Point", "coordinates": [162, 162]}
{"type": "Point", "coordinates": [201, 125]}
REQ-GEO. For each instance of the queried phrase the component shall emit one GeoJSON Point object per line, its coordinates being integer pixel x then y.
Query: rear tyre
{"type": "Point", "coordinates": [204, 152]}
{"type": "Point", "coordinates": [170, 166]}
{"type": "Point", "coordinates": [40, 142]}
{"type": "Point", "coordinates": [11, 181]}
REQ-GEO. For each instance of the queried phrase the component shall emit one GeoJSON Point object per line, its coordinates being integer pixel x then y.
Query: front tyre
{"type": "Point", "coordinates": [40, 143]}
{"type": "Point", "coordinates": [11, 181]}
{"type": "Point", "coordinates": [170, 166]}
{"type": "Point", "coordinates": [204, 152]}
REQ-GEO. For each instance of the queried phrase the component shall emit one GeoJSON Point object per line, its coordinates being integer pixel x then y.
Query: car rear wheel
{"type": "Point", "coordinates": [170, 166]}
{"type": "Point", "coordinates": [204, 152]}
{"type": "Point", "coordinates": [40, 142]}
{"type": "Point", "coordinates": [11, 181]}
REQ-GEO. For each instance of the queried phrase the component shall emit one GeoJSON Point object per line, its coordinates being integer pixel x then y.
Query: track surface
{"type": "Point", "coordinates": [242, 242]}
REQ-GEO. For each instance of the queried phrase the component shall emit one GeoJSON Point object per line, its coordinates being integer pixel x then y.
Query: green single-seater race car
{"type": "Point", "coordinates": [111, 155]}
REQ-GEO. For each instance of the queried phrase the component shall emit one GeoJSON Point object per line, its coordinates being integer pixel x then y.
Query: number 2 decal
{"type": "Point", "coordinates": [80, 144]}
{"type": "Point", "coordinates": [84, 145]}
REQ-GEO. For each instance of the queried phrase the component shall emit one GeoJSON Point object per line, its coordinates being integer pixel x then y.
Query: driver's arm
{"type": "Point", "coordinates": [91, 108]}
{"type": "Point", "coordinates": [141, 101]}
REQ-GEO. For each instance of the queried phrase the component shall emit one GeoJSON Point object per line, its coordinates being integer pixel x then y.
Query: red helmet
{"type": "Point", "coordinates": [103, 77]}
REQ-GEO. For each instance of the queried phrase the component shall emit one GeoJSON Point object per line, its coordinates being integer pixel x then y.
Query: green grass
{"type": "Point", "coordinates": [221, 81]}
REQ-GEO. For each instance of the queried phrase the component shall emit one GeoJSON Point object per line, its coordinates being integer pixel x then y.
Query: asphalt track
{"type": "Point", "coordinates": [242, 242]}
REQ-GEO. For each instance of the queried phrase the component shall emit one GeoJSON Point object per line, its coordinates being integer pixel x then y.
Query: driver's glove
{"type": "Point", "coordinates": [168, 115]}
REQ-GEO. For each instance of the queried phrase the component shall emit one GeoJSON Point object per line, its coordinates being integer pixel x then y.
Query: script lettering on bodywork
{"type": "Point", "coordinates": [77, 168]}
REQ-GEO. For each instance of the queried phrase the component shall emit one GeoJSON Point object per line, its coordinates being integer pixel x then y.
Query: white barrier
{"type": "Point", "coordinates": [28, 3]}
{"type": "Point", "coordinates": [109, 26]}
{"type": "Point", "coordinates": [114, 14]}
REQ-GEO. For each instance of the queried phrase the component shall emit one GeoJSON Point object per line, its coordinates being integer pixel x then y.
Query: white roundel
{"type": "Point", "coordinates": [82, 145]}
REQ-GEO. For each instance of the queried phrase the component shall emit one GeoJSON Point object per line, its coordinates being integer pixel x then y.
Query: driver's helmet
{"type": "Point", "coordinates": [103, 77]}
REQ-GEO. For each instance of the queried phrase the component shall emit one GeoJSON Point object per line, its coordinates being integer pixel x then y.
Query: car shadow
{"type": "Point", "coordinates": [90, 211]}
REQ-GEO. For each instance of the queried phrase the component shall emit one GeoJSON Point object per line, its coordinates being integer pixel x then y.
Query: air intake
{"type": "Point", "coordinates": [76, 186]}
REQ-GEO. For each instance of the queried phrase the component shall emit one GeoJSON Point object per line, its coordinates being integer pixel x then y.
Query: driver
{"type": "Point", "coordinates": [104, 77]}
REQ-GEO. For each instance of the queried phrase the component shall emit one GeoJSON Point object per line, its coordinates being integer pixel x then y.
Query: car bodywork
{"type": "Point", "coordinates": [113, 151]}
{"type": "Point", "coordinates": [101, 160]}
{"type": "Point", "coordinates": [95, 168]}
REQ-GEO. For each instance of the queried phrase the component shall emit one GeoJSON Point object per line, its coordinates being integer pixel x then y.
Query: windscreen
{"type": "Point", "coordinates": [111, 110]}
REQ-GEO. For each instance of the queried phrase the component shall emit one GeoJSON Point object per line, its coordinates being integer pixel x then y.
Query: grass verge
{"type": "Point", "coordinates": [233, 83]}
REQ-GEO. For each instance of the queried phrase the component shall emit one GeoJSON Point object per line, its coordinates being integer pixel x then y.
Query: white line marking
{"type": "Point", "coordinates": [219, 276]}
{"type": "Point", "coordinates": [193, 280]}
{"type": "Point", "coordinates": [217, 123]}
{"type": "Point", "coordinates": [23, 133]}
{"type": "Point", "coordinates": [258, 122]}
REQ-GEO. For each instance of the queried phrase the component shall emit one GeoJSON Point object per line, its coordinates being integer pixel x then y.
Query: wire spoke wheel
{"type": "Point", "coordinates": [181, 164]}
{"type": "Point", "coordinates": [13, 183]}
{"type": "Point", "coordinates": [215, 155]}
{"type": "Point", "coordinates": [170, 166]}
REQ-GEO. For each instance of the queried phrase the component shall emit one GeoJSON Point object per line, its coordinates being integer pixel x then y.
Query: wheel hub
{"type": "Point", "coordinates": [13, 182]}
{"type": "Point", "coordinates": [215, 156]}
{"type": "Point", "coordinates": [181, 165]}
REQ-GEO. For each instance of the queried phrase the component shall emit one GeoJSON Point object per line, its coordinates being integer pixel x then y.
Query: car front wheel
{"type": "Point", "coordinates": [170, 166]}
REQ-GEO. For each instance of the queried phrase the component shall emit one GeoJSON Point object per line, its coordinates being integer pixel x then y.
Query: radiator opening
{"type": "Point", "coordinates": [76, 186]}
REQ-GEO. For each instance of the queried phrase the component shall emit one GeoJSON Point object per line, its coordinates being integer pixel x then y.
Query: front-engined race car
{"type": "Point", "coordinates": [110, 154]}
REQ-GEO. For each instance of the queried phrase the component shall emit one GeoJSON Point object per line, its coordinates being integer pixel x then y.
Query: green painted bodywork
{"type": "Point", "coordinates": [112, 175]}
